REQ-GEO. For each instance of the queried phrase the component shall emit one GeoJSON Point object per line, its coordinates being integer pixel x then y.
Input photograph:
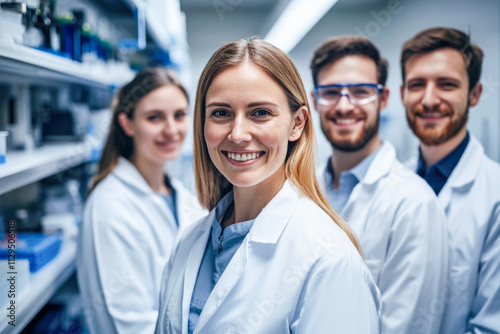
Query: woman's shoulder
{"type": "Point", "coordinates": [321, 248]}
{"type": "Point", "coordinates": [311, 224]}
{"type": "Point", "coordinates": [111, 197]}
{"type": "Point", "coordinates": [308, 210]}
{"type": "Point", "coordinates": [109, 189]}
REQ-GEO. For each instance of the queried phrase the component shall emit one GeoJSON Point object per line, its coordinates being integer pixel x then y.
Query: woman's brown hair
{"type": "Point", "coordinates": [118, 142]}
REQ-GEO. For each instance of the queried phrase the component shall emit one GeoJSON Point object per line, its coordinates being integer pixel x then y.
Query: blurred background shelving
{"type": "Point", "coordinates": [61, 62]}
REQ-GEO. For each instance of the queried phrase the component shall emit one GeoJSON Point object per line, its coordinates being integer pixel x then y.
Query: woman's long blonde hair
{"type": "Point", "coordinates": [211, 185]}
{"type": "Point", "coordinates": [118, 142]}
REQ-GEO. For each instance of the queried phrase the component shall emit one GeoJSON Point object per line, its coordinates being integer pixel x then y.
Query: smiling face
{"type": "Point", "coordinates": [349, 127]}
{"type": "Point", "coordinates": [158, 126]}
{"type": "Point", "coordinates": [436, 95]}
{"type": "Point", "coordinates": [248, 124]}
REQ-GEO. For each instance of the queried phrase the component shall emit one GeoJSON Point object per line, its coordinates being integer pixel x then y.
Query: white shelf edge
{"type": "Point", "coordinates": [23, 168]}
{"type": "Point", "coordinates": [41, 287]}
{"type": "Point", "coordinates": [65, 67]}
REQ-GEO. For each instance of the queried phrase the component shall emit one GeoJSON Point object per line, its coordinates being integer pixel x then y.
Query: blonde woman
{"type": "Point", "coordinates": [134, 211]}
{"type": "Point", "coordinates": [272, 256]}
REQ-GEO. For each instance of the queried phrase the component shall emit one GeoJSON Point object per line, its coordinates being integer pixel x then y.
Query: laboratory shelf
{"type": "Point", "coordinates": [42, 286]}
{"type": "Point", "coordinates": [31, 63]}
{"type": "Point", "coordinates": [25, 167]}
{"type": "Point", "coordinates": [156, 28]}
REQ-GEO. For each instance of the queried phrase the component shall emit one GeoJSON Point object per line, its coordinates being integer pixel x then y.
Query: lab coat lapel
{"type": "Point", "coordinates": [273, 219]}
{"type": "Point", "coordinates": [464, 173]}
{"type": "Point", "coordinates": [381, 164]}
{"type": "Point", "coordinates": [227, 281]}
{"type": "Point", "coordinates": [127, 172]}
{"type": "Point", "coordinates": [267, 228]}
{"type": "Point", "coordinates": [444, 196]}
{"type": "Point", "coordinates": [379, 167]}
{"type": "Point", "coordinates": [193, 263]}
{"type": "Point", "coordinates": [320, 176]}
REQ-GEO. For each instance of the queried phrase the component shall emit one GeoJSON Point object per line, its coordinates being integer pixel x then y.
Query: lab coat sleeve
{"type": "Point", "coordinates": [122, 266]}
{"type": "Point", "coordinates": [339, 296]}
{"type": "Point", "coordinates": [416, 268]}
{"type": "Point", "coordinates": [485, 311]}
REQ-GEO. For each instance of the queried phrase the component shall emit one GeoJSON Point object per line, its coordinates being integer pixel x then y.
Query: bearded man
{"type": "Point", "coordinates": [394, 213]}
{"type": "Point", "coordinates": [441, 71]}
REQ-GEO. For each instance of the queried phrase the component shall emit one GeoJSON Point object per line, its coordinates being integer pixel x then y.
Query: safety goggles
{"type": "Point", "coordinates": [356, 93]}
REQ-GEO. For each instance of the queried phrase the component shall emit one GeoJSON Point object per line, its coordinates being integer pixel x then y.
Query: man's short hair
{"type": "Point", "coordinates": [438, 38]}
{"type": "Point", "coordinates": [336, 48]}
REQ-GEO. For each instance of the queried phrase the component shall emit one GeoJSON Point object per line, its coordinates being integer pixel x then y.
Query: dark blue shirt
{"type": "Point", "coordinates": [437, 174]}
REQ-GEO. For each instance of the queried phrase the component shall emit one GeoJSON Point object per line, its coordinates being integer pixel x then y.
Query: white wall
{"type": "Point", "coordinates": [208, 30]}
{"type": "Point", "coordinates": [389, 24]}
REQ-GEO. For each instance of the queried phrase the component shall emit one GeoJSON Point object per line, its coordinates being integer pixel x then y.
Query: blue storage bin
{"type": "Point", "coordinates": [38, 248]}
{"type": "Point", "coordinates": [3, 146]}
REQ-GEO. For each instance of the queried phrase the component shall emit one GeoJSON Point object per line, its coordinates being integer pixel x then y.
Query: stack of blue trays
{"type": "Point", "coordinates": [38, 248]}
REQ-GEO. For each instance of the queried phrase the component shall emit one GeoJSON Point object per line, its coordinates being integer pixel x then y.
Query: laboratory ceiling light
{"type": "Point", "coordinates": [298, 17]}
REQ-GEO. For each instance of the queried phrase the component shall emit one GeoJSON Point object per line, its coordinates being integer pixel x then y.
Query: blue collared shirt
{"type": "Point", "coordinates": [437, 174]}
{"type": "Point", "coordinates": [219, 251]}
{"type": "Point", "coordinates": [348, 180]}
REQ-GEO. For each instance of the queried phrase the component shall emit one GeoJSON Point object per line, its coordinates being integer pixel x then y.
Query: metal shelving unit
{"type": "Point", "coordinates": [18, 62]}
{"type": "Point", "coordinates": [42, 285]}
{"type": "Point", "coordinates": [23, 168]}
{"type": "Point", "coordinates": [22, 66]}
{"type": "Point", "coordinates": [156, 27]}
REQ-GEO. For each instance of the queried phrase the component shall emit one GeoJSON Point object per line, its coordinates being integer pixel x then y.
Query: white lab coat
{"type": "Point", "coordinates": [402, 231]}
{"type": "Point", "coordinates": [295, 272]}
{"type": "Point", "coordinates": [127, 235]}
{"type": "Point", "coordinates": [471, 200]}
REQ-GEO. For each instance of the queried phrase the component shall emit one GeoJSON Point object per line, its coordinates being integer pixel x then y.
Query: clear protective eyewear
{"type": "Point", "coordinates": [356, 93]}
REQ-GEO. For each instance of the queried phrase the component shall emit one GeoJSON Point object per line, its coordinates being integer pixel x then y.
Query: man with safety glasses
{"type": "Point", "coordinates": [399, 223]}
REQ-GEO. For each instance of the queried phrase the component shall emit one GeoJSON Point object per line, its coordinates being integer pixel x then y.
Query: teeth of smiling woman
{"type": "Point", "coordinates": [345, 121]}
{"type": "Point", "coordinates": [243, 157]}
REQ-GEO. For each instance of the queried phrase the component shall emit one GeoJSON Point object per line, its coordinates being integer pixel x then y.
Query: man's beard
{"type": "Point", "coordinates": [359, 143]}
{"type": "Point", "coordinates": [432, 137]}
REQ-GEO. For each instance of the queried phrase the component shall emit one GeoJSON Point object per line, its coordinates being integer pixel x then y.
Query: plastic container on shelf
{"type": "Point", "coordinates": [11, 26]}
{"type": "Point", "coordinates": [3, 146]}
{"type": "Point", "coordinates": [89, 45]}
{"type": "Point", "coordinates": [65, 223]}
{"type": "Point", "coordinates": [70, 37]}
{"type": "Point", "coordinates": [104, 50]}
{"type": "Point", "coordinates": [38, 248]}
{"type": "Point", "coordinates": [70, 31]}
